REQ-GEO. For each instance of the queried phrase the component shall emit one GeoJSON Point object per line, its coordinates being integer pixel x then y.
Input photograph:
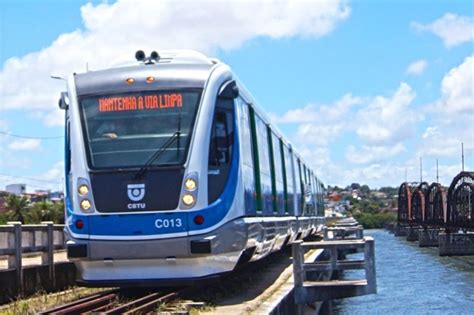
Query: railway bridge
{"type": "Point", "coordinates": [435, 215]}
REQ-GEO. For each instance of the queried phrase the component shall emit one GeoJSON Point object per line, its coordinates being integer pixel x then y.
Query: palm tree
{"type": "Point", "coordinates": [41, 211]}
{"type": "Point", "coordinates": [17, 207]}
{"type": "Point", "coordinates": [57, 212]}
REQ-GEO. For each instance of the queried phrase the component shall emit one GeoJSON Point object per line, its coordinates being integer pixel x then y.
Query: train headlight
{"type": "Point", "coordinates": [188, 199]}
{"type": "Point", "coordinates": [83, 190]}
{"type": "Point", "coordinates": [190, 184]}
{"type": "Point", "coordinates": [86, 204]}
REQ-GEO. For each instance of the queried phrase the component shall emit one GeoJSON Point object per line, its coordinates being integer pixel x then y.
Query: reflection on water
{"type": "Point", "coordinates": [413, 280]}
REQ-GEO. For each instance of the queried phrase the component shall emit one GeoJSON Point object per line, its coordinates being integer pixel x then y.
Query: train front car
{"type": "Point", "coordinates": [175, 175]}
{"type": "Point", "coordinates": [139, 145]}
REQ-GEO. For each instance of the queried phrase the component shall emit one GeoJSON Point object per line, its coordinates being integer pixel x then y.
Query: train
{"type": "Point", "coordinates": [173, 174]}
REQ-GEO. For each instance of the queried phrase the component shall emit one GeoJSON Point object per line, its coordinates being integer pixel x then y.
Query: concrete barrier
{"type": "Point", "coordinates": [428, 237]}
{"type": "Point", "coordinates": [400, 230]}
{"type": "Point", "coordinates": [456, 244]}
{"type": "Point", "coordinates": [412, 233]}
{"type": "Point", "coordinates": [36, 278]}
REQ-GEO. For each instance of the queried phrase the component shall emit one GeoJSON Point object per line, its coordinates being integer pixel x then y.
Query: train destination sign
{"type": "Point", "coordinates": [142, 102]}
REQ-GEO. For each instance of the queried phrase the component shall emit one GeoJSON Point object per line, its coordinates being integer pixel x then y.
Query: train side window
{"type": "Point", "coordinates": [220, 143]}
{"type": "Point", "coordinates": [277, 172]}
{"type": "Point", "coordinates": [290, 188]}
{"type": "Point", "coordinates": [220, 148]}
{"type": "Point", "coordinates": [301, 189]}
{"type": "Point", "coordinates": [246, 155]}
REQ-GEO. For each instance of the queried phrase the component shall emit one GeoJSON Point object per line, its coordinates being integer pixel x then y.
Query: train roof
{"type": "Point", "coordinates": [180, 68]}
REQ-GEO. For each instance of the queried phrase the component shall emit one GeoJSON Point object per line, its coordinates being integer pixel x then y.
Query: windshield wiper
{"type": "Point", "coordinates": [156, 155]}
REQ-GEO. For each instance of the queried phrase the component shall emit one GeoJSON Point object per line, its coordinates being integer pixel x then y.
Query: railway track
{"type": "Point", "coordinates": [109, 302]}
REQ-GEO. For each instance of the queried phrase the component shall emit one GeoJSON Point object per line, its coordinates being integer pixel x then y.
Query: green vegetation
{"type": "Point", "coordinates": [17, 207]}
{"type": "Point", "coordinates": [371, 211]}
{"type": "Point", "coordinates": [21, 209]}
{"type": "Point", "coordinates": [375, 220]}
{"type": "Point", "coordinates": [373, 208]}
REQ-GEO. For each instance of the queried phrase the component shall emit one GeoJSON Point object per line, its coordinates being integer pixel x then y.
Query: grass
{"type": "Point", "coordinates": [42, 301]}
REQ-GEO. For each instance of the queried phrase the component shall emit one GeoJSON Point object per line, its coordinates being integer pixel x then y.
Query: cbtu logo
{"type": "Point", "coordinates": [136, 192]}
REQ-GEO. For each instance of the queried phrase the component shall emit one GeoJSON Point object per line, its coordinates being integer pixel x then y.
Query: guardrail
{"type": "Point", "coordinates": [17, 239]}
{"type": "Point", "coordinates": [312, 291]}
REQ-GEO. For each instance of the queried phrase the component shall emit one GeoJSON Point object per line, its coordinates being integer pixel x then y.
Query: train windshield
{"type": "Point", "coordinates": [125, 130]}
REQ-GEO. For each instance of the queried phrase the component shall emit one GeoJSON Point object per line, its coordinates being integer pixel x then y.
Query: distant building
{"type": "Point", "coordinates": [16, 189]}
{"type": "Point", "coordinates": [34, 197]}
{"type": "Point", "coordinates": [43, 192]}
{"type": "Point", "coordinates": [56, 196]}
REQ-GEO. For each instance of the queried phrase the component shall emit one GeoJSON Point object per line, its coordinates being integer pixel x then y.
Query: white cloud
{"type": "Point", "coordinates": [113, 32]}
{"type": "Point", "coordinates": [318, 134]}
{"type": "Point", "coordinates": [320, 124]}
{"type": "Point", "coordinates": [430, 132]}
{"type": "Point", "coordinates": [25, 145]}
{"type": "Point", "coordinates": [417, 67]}
{"type": "Point", "coordinates": [50, 179]}
{"type": "Point", "coordinates": [446, 173]}
{"type": "Point", "coordinates": [451, 28]}
{"type": "Point", "coordinates": [54, 174]}
{"type": "Point", "coordinates": [457, 88]}
{"type": "Point", "coordinates": [452, 115]}
{"type": "Point", "coordinates": [388, 120]}
{"type": "Point", "coordinates": [444, 141]}
{"type": "Point", "coordinates": [378, 120]}
{"type": "Point", "coordinates": [321, 113]}
{"type": "Point", "coordinates": [370, 154]}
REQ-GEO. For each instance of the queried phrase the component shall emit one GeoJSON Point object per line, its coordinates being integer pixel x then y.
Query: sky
{"type": "Point", "coordinates": [362, 89]}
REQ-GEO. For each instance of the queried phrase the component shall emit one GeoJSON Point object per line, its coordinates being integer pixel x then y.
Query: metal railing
{"type": "Point", "coordinates": [17, 239]}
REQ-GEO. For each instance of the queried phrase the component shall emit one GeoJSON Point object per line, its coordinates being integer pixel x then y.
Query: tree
{"type": "Point", "coordinates": [57, 212]}
{"type": "Point", "coordinates": [355, 186]}
{"type": "Point", "coordinates": [47, 211]}
{"type": "Point", "coordinates": [40, 211]}
{"type": "Point", "coordinates": [17, 207]}
{"type": "Point", "coordinates": [365, 189]}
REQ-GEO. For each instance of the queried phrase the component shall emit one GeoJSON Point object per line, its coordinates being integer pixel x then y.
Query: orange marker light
{"type": "Point", "coordinates": [130, 80]}
{"type": "Point", "coordinates": [150, 79]}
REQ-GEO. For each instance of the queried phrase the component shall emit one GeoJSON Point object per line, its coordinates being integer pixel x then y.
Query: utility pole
{"type": "Point", "coordinates": [437, 172]}
{"type": "Point", "coordinates": [462, 155]}
{"type": "Point", "coordinates": [421, 169]}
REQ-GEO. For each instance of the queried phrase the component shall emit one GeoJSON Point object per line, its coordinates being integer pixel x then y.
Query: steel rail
{"type": "Point", "coordinates": [86, 299]}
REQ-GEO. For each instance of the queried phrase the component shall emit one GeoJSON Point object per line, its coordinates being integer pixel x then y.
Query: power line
{"type": "Point", "coordinates": [29, 137]}
{"type": "Point", "coordinates": [33, 179]}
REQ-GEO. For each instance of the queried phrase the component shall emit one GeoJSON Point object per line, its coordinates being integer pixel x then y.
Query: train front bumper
{"type": "Point", "coordinates": [152, 272]}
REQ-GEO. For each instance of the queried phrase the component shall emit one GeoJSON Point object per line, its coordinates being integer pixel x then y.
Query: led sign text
{"type": "Point", "coordinates": [136, 103]}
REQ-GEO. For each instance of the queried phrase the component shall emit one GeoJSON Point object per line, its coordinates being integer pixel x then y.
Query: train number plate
{"type": "Point", "coordinates": [168, 223]}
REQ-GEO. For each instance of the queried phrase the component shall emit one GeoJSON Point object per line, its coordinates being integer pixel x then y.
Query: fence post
{"type": "Point", "coordinates": [48, 257]}
{"type": "Point", "coordinates": [369, 257]}
{"type": "Point", "coordinates": [16, 261]}
{"type": "Point", "coordinates": [298, 272]}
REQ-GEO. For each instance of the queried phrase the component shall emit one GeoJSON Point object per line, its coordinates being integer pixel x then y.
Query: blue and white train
{"type": "Point", "coordinates": [173, 174]}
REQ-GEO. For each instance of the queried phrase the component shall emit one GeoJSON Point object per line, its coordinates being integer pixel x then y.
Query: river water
{"type": "Point", "coordinates": [414, 280]}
